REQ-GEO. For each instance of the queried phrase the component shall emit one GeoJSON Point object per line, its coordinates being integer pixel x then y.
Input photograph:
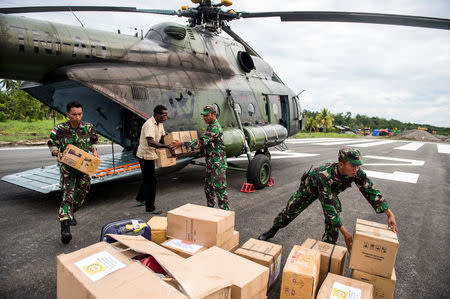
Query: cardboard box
{"type": "Point", "coordinates": [383, 287]}
{"type": "Point", "coordinates": [232, 244]}
{"type": "Point", "coordinates": [158, 227]}
{"type": "Point", "coordinates": [374, 248]}
{"type": "Point", "coordinates": [183, 136]}
{"type": "Point", "coordinates": [336, 286]}
{"type": "Point", "coordinates": [263, 253]}
{"type": "Point", "coordinates": [200, 225]}
{"type": "Point", "coordinates": [183, 248]}
{"type": "Point", "coordinates": [165, 159]}
{"type": "Point", "coordinates": [249, 279]}
{"type": "Point", "coordinates": [332, 257]}
{"type": "Point", "coordinates": [80, 160]}
{"type": "Point", "coordinates": [79, 274]}
{"type": "Point", "coordinates": [300, 273]}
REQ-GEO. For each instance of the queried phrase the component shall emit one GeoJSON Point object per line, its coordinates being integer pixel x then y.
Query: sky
{"type": "Point", "coordinates": [391, 72]}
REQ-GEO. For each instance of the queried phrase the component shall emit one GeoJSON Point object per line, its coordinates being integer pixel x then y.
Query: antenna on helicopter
{"type": "Point", "coordinates": [300, 93]}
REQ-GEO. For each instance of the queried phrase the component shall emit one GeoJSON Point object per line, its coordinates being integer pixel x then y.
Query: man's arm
{"type": "Point", "coordinates": [54, 144]}
{"type": "Point", "coordinates": [392, 224]}
{"type": "Point", "coordinates": [152, 142]}
{"type": "Point", "coordinates": [94, 140]}
{"type": "Point", "coordinates": [348, 238]}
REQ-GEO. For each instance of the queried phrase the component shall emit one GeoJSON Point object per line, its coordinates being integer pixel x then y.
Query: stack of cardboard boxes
{"type": "Point", "coordinates": [193, 228]}
{"type": "Point", "coordinates": [373, 257]}
{"type": "Point", "coordinates": [165, 158]}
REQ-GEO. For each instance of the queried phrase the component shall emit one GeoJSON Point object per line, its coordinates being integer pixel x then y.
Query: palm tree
{"type": "Point", "coordinates": [10, 84]}
{"type": "Point", "coordinates": [325, 119]}
{"type": "Point", "coordinates": [310, 124]}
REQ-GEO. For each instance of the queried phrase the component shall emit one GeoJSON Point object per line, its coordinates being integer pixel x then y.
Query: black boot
{"type": "Point", "coordinates": [268, 234]}
{"type": "Point", "coordinates": [73, 221]}
{"type": "Point", "coordinates": [66, 236]}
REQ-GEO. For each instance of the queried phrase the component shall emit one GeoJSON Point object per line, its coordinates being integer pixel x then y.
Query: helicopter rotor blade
{"type": "Point", "coordinates": [30, 9]}
{"type": "Point", "coordinates": [353, 17]}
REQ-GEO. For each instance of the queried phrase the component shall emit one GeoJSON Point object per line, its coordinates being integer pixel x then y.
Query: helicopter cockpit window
{"type": "Point", "coordinates": [245, 61]}
{"type": "Point", "coordinates": [217, 109]}
{"type": "Point", "coordinates": [251, 109]}
{"type": "Point", "coordinates": [238, 108]}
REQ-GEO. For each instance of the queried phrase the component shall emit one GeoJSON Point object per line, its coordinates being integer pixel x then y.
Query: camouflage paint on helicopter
{"type": "Point", "coordinates": [178, 66]}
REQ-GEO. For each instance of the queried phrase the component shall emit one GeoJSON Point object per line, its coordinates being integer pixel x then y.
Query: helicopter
{"type": "Point", "coordinates": [119, 78]}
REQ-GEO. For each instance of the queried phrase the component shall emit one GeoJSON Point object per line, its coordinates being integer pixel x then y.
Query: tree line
{"type": "Point", "coordinates": [15, 104]}
{"type": "Point", "coordinates": [325, 120]}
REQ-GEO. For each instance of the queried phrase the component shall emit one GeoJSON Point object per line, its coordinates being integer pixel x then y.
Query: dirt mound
{"type": "Point", "coordinates": [417, 135]}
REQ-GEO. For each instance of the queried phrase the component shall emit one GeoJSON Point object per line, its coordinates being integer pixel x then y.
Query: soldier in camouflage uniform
{"type": "Point", "coordinates": [75, 184]}
{"type": "Point", "coordinates": [216, 160]}
{"type": "Point", "coordinates": [325, 183]}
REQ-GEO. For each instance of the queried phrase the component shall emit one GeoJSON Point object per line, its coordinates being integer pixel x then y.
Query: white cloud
{"type": "Point", "coordinates": [376, 70]}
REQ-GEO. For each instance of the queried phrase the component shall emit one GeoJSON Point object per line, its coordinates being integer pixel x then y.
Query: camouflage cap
{"type": "Point", "coordinates": [207, 109]}
{"type": "Point", "coordinates": [351, 155]}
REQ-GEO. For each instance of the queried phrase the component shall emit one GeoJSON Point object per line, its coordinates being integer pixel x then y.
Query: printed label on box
{"type": "Point", "coordinates": [341, 291]}
{"type": "Point", "coordinates": [182, 245]}
{"type": "Point", "coordinates": [99, 265]}
{"type": "Point", "coordinates": [275, 269]}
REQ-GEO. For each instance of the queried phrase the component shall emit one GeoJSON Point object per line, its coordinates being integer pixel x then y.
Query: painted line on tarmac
{"type": "Point", "coordinates": [443, 148]}
{"type": "Point", "coordinates": [398, 176]}
{"type": "Point", "coordinates": [344, 142]}
{"type": "Point", "coordinates": [412, 146]}
{"type": "Point", "coordinates": [374, 143]}
{"type": "Point", "coordinates": [406, 162]}
{"type": "Point", "coordinates": [276, 155]}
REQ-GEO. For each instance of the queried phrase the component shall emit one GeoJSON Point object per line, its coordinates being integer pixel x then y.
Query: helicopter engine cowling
{"type": "Point", "coordinates": [258, 138]}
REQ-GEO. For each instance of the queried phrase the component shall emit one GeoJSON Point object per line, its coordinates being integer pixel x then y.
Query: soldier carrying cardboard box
{"type": "Point", "coordinates": [216, 159]}
{"type": "Point", "coordinates": [325, 183]}
{"type": "Point", "coordinates": [75, 184]}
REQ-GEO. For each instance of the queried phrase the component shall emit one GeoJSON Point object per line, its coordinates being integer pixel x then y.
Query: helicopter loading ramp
{"type": "Point", "coordinates": [113, 167]}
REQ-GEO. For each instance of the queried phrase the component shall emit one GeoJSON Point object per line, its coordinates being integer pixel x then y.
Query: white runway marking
{"type": "Point", "coordinates": [395, 176]}
{"type": "Point", "coordinates": [278, 155]}
{"type": "Point", "coordinates": [443, 148]}
{"type": "Point", "coordinates": [373, 143]}
{"type": "Point", "coordinates": [311, 140]}
{"type": "Point", "coordinates": [412, 146]}
{"type": "Point", "coordinates": [406, 162]}
{"type": "Point", "coordinates": [344, 142]}
{"type": "Point", "coordinates": [46, 147]}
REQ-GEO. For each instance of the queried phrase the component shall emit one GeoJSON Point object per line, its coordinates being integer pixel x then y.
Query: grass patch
{"type": "Point", "coordinates": [324, 135]}
{"type": "Point", "coordinates": [34, 131]}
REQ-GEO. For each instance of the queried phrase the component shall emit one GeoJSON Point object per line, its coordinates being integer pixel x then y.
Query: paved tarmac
{"type": "Point", "coordinates": [414, 179]}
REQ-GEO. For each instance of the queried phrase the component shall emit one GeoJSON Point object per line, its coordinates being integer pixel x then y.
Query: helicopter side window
{"type": "Point", "coordinates": [275, 109]}
{"type": "Point", "coordinates": [251, 109]}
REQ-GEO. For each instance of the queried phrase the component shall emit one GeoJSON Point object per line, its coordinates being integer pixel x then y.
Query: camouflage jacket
{"type": "Point", "coordinates": [212, 144]}
{"type": "Point", "coordinates": [326, 182]}
{"type": "Point", "coordinates": [63, 134]}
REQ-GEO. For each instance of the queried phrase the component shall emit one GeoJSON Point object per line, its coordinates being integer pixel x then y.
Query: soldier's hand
{"type": "Point", "coordinates": [175, 144]}
{"type": "Point", "coordinates": [392, 224]}
{"type": "Point", "coordinates": [59, 157]}
{"type": "Point", "coordinates": [348, 241]}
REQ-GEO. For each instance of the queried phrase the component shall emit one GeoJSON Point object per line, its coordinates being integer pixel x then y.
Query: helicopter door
{"type": "Point", "coordinates": [279, 110]}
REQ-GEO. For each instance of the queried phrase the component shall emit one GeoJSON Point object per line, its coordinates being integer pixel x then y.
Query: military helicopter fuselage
{"type": "Point", "coordinates": [119, 79]}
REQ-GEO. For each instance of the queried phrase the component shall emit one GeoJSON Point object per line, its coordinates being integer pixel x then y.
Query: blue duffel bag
{"type": "Point", "coordinates": [131, 226]}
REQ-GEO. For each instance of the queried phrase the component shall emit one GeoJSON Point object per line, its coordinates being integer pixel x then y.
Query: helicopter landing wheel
{"type": "Point", "coordinates": [259, 171]}
{"type": "Point", "coordinates": [264, 152]}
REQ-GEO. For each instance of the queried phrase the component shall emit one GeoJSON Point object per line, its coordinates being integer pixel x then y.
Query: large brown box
{"type": "Point", "coordinates": [249, 279]}
{"type": "Point", "coordinates": [201, 225]}
{"type": "Point", "coordinates": [182, 136]}
{"type": "Point", "coordinates": [300, 273]}
{"type": "Point", "coordinates": [383, 287]}
{"type": "Point", "coordinates": [263, 253]}
{"type": "Point", "coordinates": [165, 159]}
{"type": "Point", "coordinates": [76, 272]}
{"type": "Point", "coordinates": [232, 244]}
{"type": "Point", "coordinates": [374, 248]}
{"type": "Point", "coordinates": [336, 286]}
{"type": "Point", "coordinates": [80, 160]}
{"type": "Point", "coordinates": [158, 227]}
{"type": "Point", "coordinates": [332, 257]}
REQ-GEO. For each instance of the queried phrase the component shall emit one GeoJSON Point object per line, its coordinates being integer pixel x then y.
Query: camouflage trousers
{"type": "Point", "coordinates": [216, 187]}
{"type": "Point", "coordinates": [296, 204]}
{"type": "Point", "coordinates": [75, 186]}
